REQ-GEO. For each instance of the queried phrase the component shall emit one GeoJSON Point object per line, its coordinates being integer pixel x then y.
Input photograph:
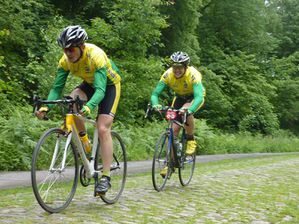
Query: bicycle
{"type": "Point", "coordinates": [55, 161]}
{"type": "Point", "coordinates": [169, 154]}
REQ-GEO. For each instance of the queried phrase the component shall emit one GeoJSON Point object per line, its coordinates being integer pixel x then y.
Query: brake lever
{"type": "Point", "coordinates": [35, 104]}
{"type": "Point", "coordinates": [148, 111]}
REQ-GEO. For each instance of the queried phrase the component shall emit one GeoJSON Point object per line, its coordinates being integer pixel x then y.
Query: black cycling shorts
{"type": "Point", "coordinates": [179, 101]}
{"type": "Point", "coordinates": [110, 101]}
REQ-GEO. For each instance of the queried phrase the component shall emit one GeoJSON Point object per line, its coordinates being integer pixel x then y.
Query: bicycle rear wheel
{"type": "Point", "coordinates": [187, 166]}
{"type": "Point", "coordinates": [160, 161]}
{"type": "Point", "coordinates": [53, 184]}
{"type": "Point", "coordinates": [118, 170]}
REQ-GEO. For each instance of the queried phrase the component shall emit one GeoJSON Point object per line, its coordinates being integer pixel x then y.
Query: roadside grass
{"type": "Point", "coordinates": [17, 197]}
{"type": "Point", "coordinates": [18, 141]}
{"type": "Point", "coordinates": [248, 190]}
{"type": "Point", "coordinates": [243, 163]}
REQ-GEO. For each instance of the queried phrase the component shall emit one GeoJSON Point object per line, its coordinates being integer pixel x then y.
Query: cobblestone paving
{"type": "Point", "coordinates": [256, 191]}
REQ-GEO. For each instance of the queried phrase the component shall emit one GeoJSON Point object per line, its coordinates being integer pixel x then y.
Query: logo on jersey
{"type": "Point", "coordinates": [111, 73]}
{"type": "Point", "coordinates": [87, 69]}
{"type": "Point", "coordinates": [192, 77]}
{"type": "Point", "coordinates": [165, 75]}
{"type": "Point", "coordinates": [185, 84]}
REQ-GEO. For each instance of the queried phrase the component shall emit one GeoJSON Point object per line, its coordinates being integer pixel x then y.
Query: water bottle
{"type": "Point", "coordinates": [178, 146]}
{"type": "Point", "coordinates": [85, 141]}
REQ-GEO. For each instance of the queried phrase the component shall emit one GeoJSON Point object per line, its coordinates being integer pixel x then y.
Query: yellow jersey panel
{"type": "Point", "coordinates": [93, 58]}
{"type": "Point", "coordinates": [183, 85]}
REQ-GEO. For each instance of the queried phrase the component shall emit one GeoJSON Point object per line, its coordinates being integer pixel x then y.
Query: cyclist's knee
{"type": "Point", "coordinates": [187, 105]}
{"type": "Point", "coordinates": [78, 92]}
{"type": "Point", "coordinates": [190, 118]}
{"type": "Point", "coordinates": [103, 129]}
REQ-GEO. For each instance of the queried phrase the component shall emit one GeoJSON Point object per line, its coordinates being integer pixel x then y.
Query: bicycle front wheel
{"type": "Point", "coordinates": [54, 171]}
{"type": "Point", "coordinates": [118, 169]}
{"type": "Point", "coordinates": [160, 169]}
{"type": "Point", "coordinates": [187, 166]}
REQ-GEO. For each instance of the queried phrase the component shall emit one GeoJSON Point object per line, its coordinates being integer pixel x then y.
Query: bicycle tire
{"type": "Point", "coordinates": [187, 165]}
{"type": "Point", "coordinates": [160, 161]}
{"type": "Point", "coordinates": [54, 189]}
{"type": "Point", "coordinates": [84, 180]}
{"type": "Point", "coordinates": [118, 170]}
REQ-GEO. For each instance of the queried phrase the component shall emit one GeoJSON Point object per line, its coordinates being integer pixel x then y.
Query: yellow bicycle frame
{"type": "Point", "coordinates": [71, 128]}
{"type": "Point", "coordinates": [70, 122]}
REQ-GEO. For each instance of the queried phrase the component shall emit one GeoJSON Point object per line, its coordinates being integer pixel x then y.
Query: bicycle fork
{"type": "Point", "coordinates": [56, 152]}
{"type": "Point", "coordinates": [88, 164]}
{"type": "Point", "coordinates": [170, 157]}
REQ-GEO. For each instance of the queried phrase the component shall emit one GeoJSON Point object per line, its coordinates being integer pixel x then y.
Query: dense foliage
{"type": "Point", "coordinates": [247, 52]}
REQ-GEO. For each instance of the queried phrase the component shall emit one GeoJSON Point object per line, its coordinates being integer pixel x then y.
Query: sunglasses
{"type": "Point", "coordinates": [178, 66]}
{"type": "Point", "coordinates": [69, 50]}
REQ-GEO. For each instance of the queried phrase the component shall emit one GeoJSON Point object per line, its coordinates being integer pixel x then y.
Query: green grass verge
{"type": "Point", "coordinates": [21, 132]}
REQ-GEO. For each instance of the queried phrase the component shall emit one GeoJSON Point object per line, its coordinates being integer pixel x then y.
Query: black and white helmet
{"type": "Point", "coordinates": [180, 57]}
{"type": "Point", "coordinates": [72, 36]}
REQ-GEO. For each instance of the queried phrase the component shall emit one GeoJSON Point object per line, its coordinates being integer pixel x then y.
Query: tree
{"type": "Point", "coordinates": [217, 107]}
{"type": "Point", "coordinates": [23, 20]}
{"type": "Point", "coordinates": [285, 76]}
{"type": "Point", "coordinates": [234, 25]}
{"type": "Point", "coordinates": [284, 25]}
{"type": "Point", "coordinates": [128, 34]}
{"type": "Point", "coordinates": [248, 92]}
{"type": "Point", "coordinates": [183, 19]}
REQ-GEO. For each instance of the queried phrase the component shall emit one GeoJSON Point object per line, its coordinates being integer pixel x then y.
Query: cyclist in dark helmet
{"type": "Point", "coordinates": [185, 81]}
{"type": "Point", "coordinates": [100, 87]}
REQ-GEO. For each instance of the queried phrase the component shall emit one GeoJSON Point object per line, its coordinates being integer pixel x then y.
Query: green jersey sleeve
{"type": "Point", "coordinates": [100, 82]}
{"type": "Point", "coordinates": [158, 90]}
{"type": "Point", "coordinates": [198, 92]}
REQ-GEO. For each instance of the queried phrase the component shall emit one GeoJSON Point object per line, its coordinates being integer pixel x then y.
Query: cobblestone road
{"type": "Point", "coordinates": [257, 191]}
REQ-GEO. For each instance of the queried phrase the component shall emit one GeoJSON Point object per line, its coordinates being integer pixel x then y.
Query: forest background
{"type": "Point", "coordinates": [247, 52]}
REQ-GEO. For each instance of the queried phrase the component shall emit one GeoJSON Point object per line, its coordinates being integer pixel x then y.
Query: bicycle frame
{"type": "Point", "coordinates": [72, 131]}
{"type": "Point", "coordinates": [175, 161]}
{"type": "Point", "coordinates": [72, 134]}
{"type": "Point", "coordinates": [171, 150]}
{"type": "Point", "coordinates": [57, 152]}
{"type": "Point", "coordinates": [166, 158]}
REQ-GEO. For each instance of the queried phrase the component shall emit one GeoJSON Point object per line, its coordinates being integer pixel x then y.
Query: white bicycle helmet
{"type": "Point", "coordinates": [72, 36]}
{"type": "Point", "coordinates": [180, 57]}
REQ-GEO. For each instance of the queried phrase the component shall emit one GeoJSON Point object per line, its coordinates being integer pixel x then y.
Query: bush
{"type": "Point", "coordinates": [140, 141]}
{"type": "Point", "coordinates": [215, 142]}
{"type": "Point", "coordinates": [18, 137]}
{"type": "Point", "coordinates": [20, 133]}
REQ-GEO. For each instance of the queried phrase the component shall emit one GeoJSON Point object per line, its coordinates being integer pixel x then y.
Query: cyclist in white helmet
{"type": "Point", "coordinates": [185, 81]}
{"type": "Point", "coordinates": [100, 87]}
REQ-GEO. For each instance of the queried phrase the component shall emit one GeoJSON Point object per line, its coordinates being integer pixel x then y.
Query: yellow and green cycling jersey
{"type": "Point", "coordinates": [187, 85]}
{"type": "Point", "coordinates": [94, 67]}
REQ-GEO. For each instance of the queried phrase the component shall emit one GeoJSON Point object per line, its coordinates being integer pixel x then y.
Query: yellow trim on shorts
{"type": "Point", "coordinates": [116, 100]}
{"type": "Point", "coordinates": [173, 101]}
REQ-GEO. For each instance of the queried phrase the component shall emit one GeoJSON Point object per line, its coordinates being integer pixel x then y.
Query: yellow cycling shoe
{"type": "Point", "coordinates": [191, 146]}
{"type": "Point", "coordinates": [163, 172]}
